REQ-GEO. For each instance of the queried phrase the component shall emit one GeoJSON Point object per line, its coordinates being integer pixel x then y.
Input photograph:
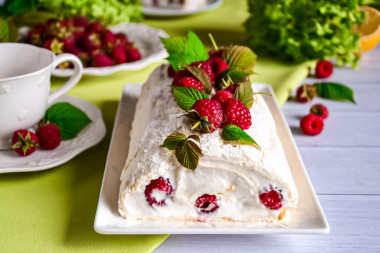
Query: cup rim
{"type": "Point", "coordinates": [31, 73]}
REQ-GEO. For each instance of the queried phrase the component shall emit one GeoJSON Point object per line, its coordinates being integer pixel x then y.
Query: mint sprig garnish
{"type": "Point", "coordinates": [240, 58]}
{"type": "Point", "coordinates": [187, 96]}
{"type": "Point", "coordinates": [234, 134]}
{"type": "Point", "coordinates": [187, 151]}
{"type": "Point", "coordinates": [199, 74]}
{"type": "Point", "coordinates": [183, 51]}
{"type": "Point", "coordinates": [334, 91]}
{"type": "Point", "coordinates": [244, 93]}
{"type": "Point", "coordinates": [69, 119]}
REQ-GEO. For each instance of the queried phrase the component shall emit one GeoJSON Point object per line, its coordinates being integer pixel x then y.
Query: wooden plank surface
{"type": "Point", "coordinates": [354, 227]}
{"type": "Point", "coordinates": [344, 166]}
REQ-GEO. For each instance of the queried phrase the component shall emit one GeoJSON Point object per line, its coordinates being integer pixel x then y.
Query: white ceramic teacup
{"type": "Point", "coordinates": [25, 86]}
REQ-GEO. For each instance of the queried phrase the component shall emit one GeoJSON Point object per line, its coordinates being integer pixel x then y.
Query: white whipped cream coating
{"type": "Point", "coordinates": [236, 174]}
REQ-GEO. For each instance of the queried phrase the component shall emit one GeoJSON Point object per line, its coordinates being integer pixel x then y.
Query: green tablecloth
{"type": "Point", "coordinates": [54, 210]}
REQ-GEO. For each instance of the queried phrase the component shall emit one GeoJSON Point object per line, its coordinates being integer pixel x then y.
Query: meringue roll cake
{"type": "Point", "coordinates": [202, 150]}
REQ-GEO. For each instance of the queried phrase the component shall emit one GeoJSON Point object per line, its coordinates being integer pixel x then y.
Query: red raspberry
{"type": "Point", "coordinates": [213, 113]}
{"type": "Point", "coordinates": [102, 60]}
{"type": "Point", "coordinates": [213, 53]}
{"type": "Point", "coordinates": [154, 187]}
{"type": "Point", "coordinates": [49, 136]}
{"type": "Point", "coordinates": [311, 124]}
{"type": "Point", "coordinates": [206, 203]}
{"type": "Point", "coordinates": [236, 113]}
{"type": "Point", "coordinates": [218, 65]}
{"type": "Point", "coordinates": [118, 55]}
{"type": "Point", "coordinates": [179, 75]}
{"type": "Point", "coordinates": [133, 54]}
{"type": "Point", "coordinates": [24, 142]}
{"type": "Point", "coordinates": [232, 88]}
{"type": "Point", "coordinates": [320, 110]}
{"type": "Point", "coordinates": [171, 71]}
{"type": "Point", "coordinates": [222, 96]}
{"type": "Point", "coordinates": [82, 55]}
{"type": "Point", "coordinates": [54, 45]}
{"type": "Point", "coordinates": [121, 39]}
{"type": "Point", "coordinates": [188, 81]}
{"type": "Point", "coordinates": [80, 22]}
{"type": "Point", "coordinates": [206, 67]}
{"type": "Point", "coordinates": [306, 93]}
{"type": "Point", "coordinates": [90, 42]}
{"type": "Point", "coordinates": [323, 69]}
{"type": "Point", "coordinates": [108, 40]}
{"type": "Point", "coordinates": [271, 199]}
{"type": "Point", "coordinates": [94, 27]}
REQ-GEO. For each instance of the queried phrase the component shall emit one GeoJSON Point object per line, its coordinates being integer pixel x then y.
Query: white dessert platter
{"type": "Point", "coordinates": [308, 218]}
{"type": "Point", "coordinates": [46, 159]}
{"type": "Point", "coordinates": [146, 39]}
{"type": "Point", "coordinates": [159, 11]}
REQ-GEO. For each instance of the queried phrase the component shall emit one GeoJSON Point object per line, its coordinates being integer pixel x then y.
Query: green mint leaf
{"type": "Point", "coordinates": [244, 93]}
{"type": "Point", "coordinates": [186, 96]}
{"type": "Point", "coordinates": [172, 140]}
{"type": "Point", "coordinates": [240, 58]}
{"type": "Point", "coordinates": [335, 91]}
{"type": "Point", "coordinates": [183, 51]}
{"type": "Point", "coordinates": [188, 153]}
{"type": "Point", "coordinates": [234, 134]}
{"type": "Point", "coordinates": [195, 138]}
{"type": "Point", "coordinates": [4, 30]}
{"type": "Point", "coordinates": [69, 119]}
{"type": "Point", "coordinates": [201, 76]}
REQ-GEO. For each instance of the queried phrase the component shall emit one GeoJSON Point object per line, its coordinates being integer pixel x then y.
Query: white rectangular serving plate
{"type": "Point", "coordinates": [308, 218]}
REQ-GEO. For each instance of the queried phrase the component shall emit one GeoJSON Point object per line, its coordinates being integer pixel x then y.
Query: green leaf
{"type": "Point", "coordinates": [69, 119]}
{"type": "Point", "coordinates": [186, 96]}
{"type": "Point", "coordinates": [174, 44]}
{"type": "Point", "coordinates": [244, 93]}
{"type": "Point", "coordinates": [230, 76]}
{"type": "Point", "coordinates": [188, 153]}
{"type": "Point", "coordinates": [172, 140]}
{"type": "Point", "coordinates": [335, 91]}
{"type": "Point", "coordinates": [240, 58]}
{"type": "Point", "coordinates": [234, 134]}
{"type": "Point", "coordinates": [201, 76]}
{"type": "Point", "coordinates": [183, 51]}
{"type": "Point", "coordinates": [4, 30]}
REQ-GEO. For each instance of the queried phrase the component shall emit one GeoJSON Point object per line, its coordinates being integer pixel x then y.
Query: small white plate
{"type": "Point", "coordinates": [45, 159]}
{"type": "Point", "coordinates": [146, 39]}
{"type": "Point", "coordinates": [308, 218]}
{"type": "Point", "coordinates": [156, 11]}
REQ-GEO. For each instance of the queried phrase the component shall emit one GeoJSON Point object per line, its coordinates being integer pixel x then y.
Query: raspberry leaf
{"type": "Point", "coordinates": [187, 96]}
{"type": "Point", "coordinates": [188, 153]}
{"type": "Point", "coordinates": [234, 134]}
{"type": "Point", "coordinates": [240, 58]}
{"type": "Point", "coordinates": [230, 76]}
{"type": "Point", "coordinates": [244, 93]}
{"type": "Point", "coordinates": [183, 51]}
{"type": "Point", "coordinates": [69, 119]}
{"type": "Point", "coordinates": [201, 76]}
{"type": "Point", "coordinates": [172, 140]}
{"type": "Point", "coordinates": [335, 91]}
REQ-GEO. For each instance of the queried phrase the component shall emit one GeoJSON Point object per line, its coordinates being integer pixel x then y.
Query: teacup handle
{"type": "Point", "coordinates": [74, 79]}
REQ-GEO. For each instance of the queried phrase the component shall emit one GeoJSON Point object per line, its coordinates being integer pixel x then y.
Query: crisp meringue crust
{"type": "Point", "coordinates": [236, 174]}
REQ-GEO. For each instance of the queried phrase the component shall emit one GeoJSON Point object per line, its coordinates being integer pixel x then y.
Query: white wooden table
{"type": "Point", "coordinates": [343, 163]}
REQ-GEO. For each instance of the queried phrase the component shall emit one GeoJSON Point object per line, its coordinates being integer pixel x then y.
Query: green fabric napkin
{"type": "Point", "coordinates": [54, 210]}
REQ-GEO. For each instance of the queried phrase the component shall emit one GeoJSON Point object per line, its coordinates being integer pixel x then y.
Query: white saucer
{"type": "Point", "coordinates": [308, 218]}
{"type": "Point", "coordinates": [10, 161]}
{"type": "Point", "coordinates": [162, 12]}
{"type": "Point", "coordinates": [146, 39]}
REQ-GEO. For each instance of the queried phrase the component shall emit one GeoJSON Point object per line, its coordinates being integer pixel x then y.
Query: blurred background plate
{"type": "Point", "coordinates": [155, 11]}
{"type": "Point", "coordinates": [145, 38]}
